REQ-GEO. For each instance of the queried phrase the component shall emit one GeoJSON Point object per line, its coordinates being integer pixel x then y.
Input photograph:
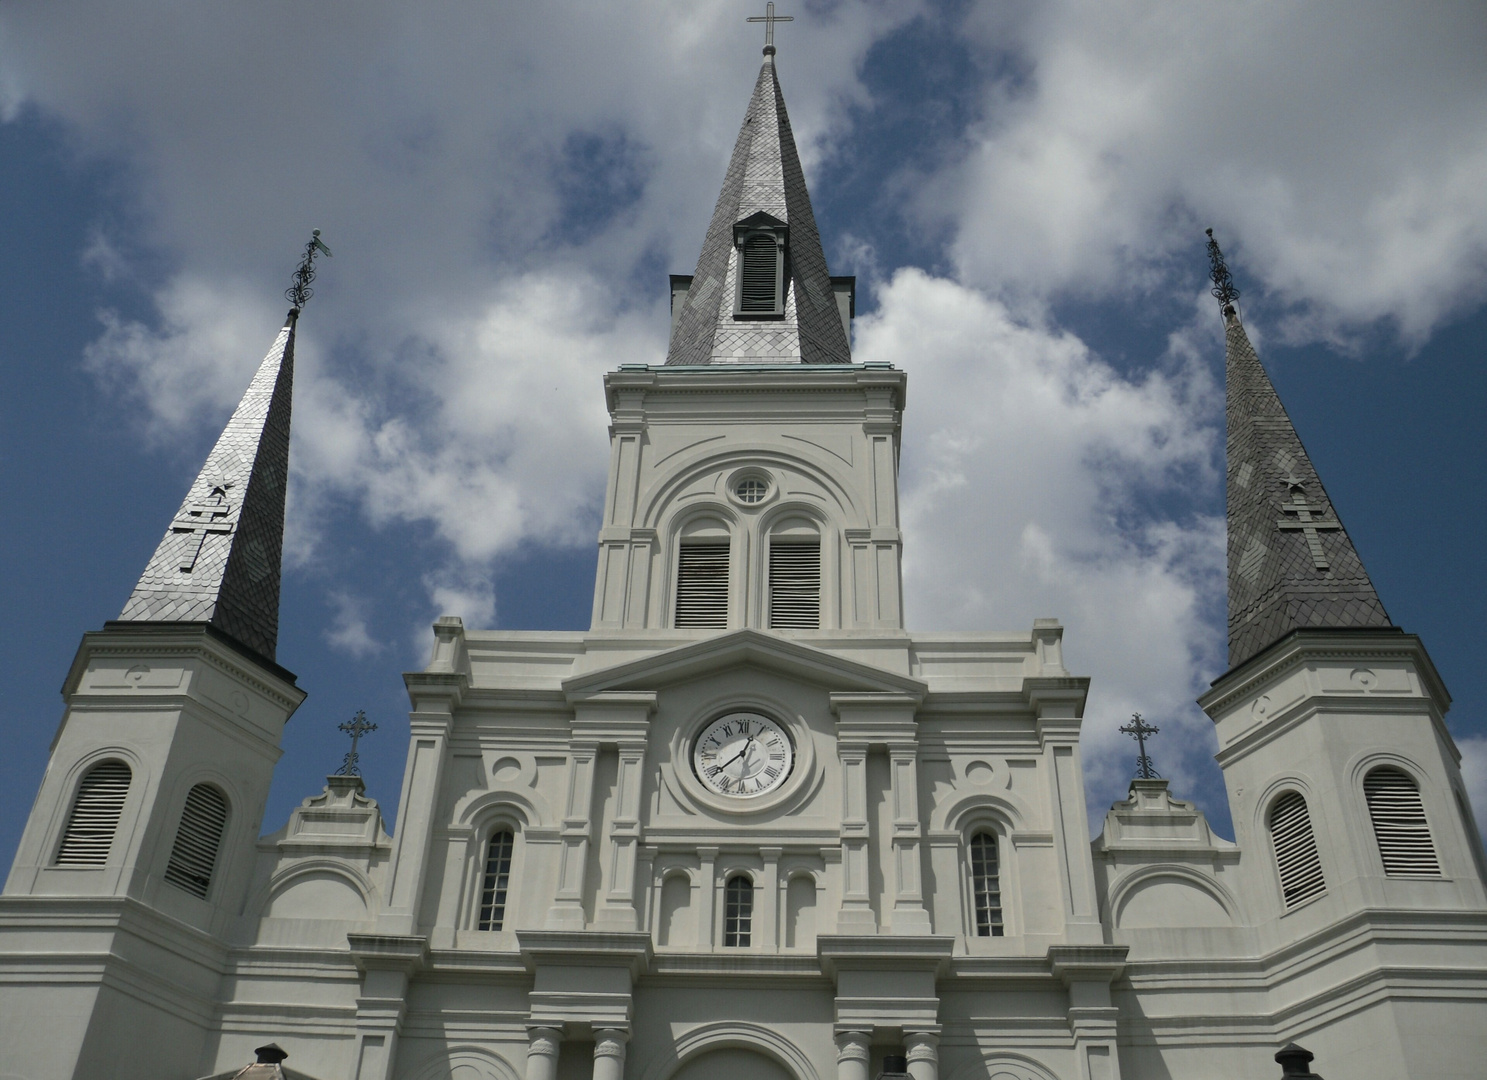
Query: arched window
{"type": "Point", "coordinates": [986, 887]}
{"type": "Point", "coordinates": [795, 576]}
{"type": "Point", "coordinates": [738, 911]}
{"type": "Point", "coordinates": [702, 576]}
{"type": "Point", "coordinates": [198, 837]}
{"type": "Point", "coordinates": [95, 815]}
{"type": "Point", "coordinates": [1296, 858]}
{"type": "Point", "coordinates": [497, 879]}
{"type": "Point", "coordinates": [1399, 824]}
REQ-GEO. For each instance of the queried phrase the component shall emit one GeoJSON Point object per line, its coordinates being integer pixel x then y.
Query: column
{"type": "Point", "coordinates": [423, 777]}
{"type": "Point", "coordinates": [609, 1053]}
{"type": "Point", "coordinates": [617, 911]}
{"type": "Point", "coordinates": [922, 1048]}
{"type": "Point", "coordinates": [543, 1044]}
{"type": "Point", "coordinates": [573, 857]}
{"type": "Point", "coordinates": [856, 915]}
{"type": "Point", "coordinates": [852, 1055]}
{"type": "Point", "coordinates": [707, 891]}
{"type": "Point", "coordinates": [770, 937]}
{"type": "Point", "coordinates": [909, 915]}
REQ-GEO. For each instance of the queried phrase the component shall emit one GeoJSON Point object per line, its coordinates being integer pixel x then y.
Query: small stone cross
{"type": "Point", "coordinates": [1139, 729]}
{"type": "Point", "coordinates": [202, 518]}
{"type": "Point", "coordinates": [1307, 523]}
{"type": "Point", "coordinates": [769, 18]}
{"type": "Point", "coordinates": [356, 727]}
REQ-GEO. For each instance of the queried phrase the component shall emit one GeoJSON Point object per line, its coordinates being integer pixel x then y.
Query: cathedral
{"type": "Point", "coordinates": [747, 826]}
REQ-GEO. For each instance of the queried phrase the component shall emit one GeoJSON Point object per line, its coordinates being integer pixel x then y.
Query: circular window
{"type": "Point", "coordinates": [751, 489]}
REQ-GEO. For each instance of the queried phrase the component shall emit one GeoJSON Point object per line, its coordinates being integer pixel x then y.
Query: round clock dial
{"type": "Point", "coordinates": [743, 755]}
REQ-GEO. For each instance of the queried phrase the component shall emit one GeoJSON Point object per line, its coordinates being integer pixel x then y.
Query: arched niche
{"type": "Point", "coordinates": [1170, 898]}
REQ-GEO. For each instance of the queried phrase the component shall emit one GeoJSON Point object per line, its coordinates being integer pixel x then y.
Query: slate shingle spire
{"type": "Point", "coordinates": [764, 177]}
{"type": "Point", "coordinates": [219, 561]}
{"type": "Point", "coordinates": [1291, 563]}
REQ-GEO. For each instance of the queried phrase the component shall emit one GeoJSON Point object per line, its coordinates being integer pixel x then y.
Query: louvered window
{"type": "Point", "coordinates": [702, 585]}
{"type": "Point", "coordinates": [795, 584]}
{"type": "Point", "coordinates": [738, 911]}
{"type": "Point", "coordinates": [1296, 857]}
{"type": "Point", "coordinates": [95, 815]}
{"type": "Point", "coordinates": [497, 880]}
{"type": "Point", "coordinates": [759, 275]}
{"type": "Point", "coordinates": [1399, 824]}
{"type": "Point", "coordinates": [197, 840]}
{"type": "Point", "coordinates": [986, 885]}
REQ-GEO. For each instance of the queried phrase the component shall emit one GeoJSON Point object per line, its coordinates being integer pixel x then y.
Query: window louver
{"type": "Point", "coordinates": [197, 840]}
{"type": "Point", "coordinates": [1399, 824]}
{"type": "Point", "coordinates": [986, 885]}
{"type": "Point", "coordinates": [95, 815]}
{"type": "Point", "coordinates": [1296, 855]}
{"type": "Point", "coordinates": [497, 880]}
{"type": "Point", "coordinates": [702, 586]}
{"type": "Point", "coordinates": [759, 275]}
{"type": "Point", "coordinates": [795, 585]}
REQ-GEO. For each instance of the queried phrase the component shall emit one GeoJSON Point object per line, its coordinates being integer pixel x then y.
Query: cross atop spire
{"type": "Point", "coordinates": [769, 18]}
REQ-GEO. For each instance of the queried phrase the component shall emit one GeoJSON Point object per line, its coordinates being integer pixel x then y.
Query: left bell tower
{"type": "Point", "coordinates": [139, 849]}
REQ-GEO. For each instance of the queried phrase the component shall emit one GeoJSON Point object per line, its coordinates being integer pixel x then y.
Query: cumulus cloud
{"type": "Point", "coordinates": [348, 630]}
{"type": "Point", "coordinates": [1023, 453]}
{"type": "Point", "coordinates": [1340, 152]}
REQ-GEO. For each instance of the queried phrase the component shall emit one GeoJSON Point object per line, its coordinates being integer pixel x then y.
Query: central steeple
{"type": "Point", "coordinates": [762, 293]}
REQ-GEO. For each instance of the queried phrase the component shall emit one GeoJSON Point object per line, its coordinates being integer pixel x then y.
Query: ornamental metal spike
{"type": "Point", "coordinates": [300, 292]}
{"type": "Point", "coordinates": [1224, 289]}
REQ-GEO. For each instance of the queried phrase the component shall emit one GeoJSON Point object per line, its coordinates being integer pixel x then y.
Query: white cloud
{"type": "Point", "coordinates": [1341, 153]}
{"type": "Point", "coordinates": [348, 631]}
{"type": "Point", "coordinates": [1021, 451]}
{"type": "Point", "coordinates": [1474, 773]}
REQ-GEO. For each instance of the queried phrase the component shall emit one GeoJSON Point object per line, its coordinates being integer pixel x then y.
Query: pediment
{"type": "Point", "coordinates": [760, 220]}
{"type": "Point", "coordinates": [745, 648]}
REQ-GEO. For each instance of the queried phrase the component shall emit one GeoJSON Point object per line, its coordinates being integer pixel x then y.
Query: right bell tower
{"type": "Point", "coordinates": [1344, 783]}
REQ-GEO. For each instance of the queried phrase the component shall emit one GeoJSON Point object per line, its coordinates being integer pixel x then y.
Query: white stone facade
{"type": "Point", "coordinates": [1160, 950]}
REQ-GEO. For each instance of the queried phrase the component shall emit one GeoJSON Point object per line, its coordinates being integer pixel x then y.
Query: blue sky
{"type": "Point", "coordinates": [1021, 190]}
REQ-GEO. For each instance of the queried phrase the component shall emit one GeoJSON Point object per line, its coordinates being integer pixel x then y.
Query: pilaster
{"type": "Point", "coordinates": [387, 964]}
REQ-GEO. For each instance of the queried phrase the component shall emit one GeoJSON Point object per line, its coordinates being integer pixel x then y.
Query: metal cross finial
{"type": "Point", "coordinates": [1224, 290]}
{"type": "Point", "coordinates": [356, 727]}
{"type": "Point", "coordinates": [1139, 729]}
{"type": "Point", "coordinates": [300, 292]}
{"type": "Point", "coordinates": [769, 18]}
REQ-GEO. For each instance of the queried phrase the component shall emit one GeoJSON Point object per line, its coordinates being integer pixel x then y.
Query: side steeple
{"type": "Point", "coordinates": [219, 561]}
{"type": "Point", "coordinates": [1291, 563]}
{"type": "Point", "coordinates": [762, 293]}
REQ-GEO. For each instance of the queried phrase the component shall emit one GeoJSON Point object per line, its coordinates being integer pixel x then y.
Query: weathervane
{"type": "Point", "coordinates": [300, 292]}
{"type": "Point", "coordinates": [356, 727]}
{"type": "Point", "coordinates": [769, 18]}
{"type": "Point", "coordinates": [1223, 289]}
{"type": "Point", "coordinates": [1139, 729]}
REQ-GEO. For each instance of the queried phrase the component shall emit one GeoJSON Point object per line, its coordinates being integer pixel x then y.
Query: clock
{"type": "Point", "coordinates": [743, 755]}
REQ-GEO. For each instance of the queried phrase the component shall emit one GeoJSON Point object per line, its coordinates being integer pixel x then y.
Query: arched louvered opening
{"type": "Point", "coordinates": [198, 837]}
{"type": "Point", "coordinates": [1296, 857]}
{"type": "Point", "coordinates": [795, 579]}
{"type": "Point", "coordinates": [702, 576]}
{"type": "Point", "coordinates": [1399, 824]}
{"type": "Point", "coordinates": [95, 815]}
{"type": "Point", "coordinates": [759, 275]}
{"type": "Point", "coordinates": [986, 887]}
{"type": "Point", "coordinates": [497, 879]}
{"type": "Point", "coordinates": [738, 911]}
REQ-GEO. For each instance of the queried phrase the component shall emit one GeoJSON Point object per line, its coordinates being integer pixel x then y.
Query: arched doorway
{"type": "Point", "coordinates": [732, 1063]}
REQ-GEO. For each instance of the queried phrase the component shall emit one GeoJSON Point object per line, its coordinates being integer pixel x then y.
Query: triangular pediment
{"type": "Point", "coordinates": [741, 648]}
{"type": "Point", "coordinates": [760, 220]}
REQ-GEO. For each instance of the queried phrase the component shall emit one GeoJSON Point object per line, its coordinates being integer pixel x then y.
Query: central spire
{"type": "Point", "coordinates": [1291, 563]}
{"type": "Point", "coordinates": [762, 293]}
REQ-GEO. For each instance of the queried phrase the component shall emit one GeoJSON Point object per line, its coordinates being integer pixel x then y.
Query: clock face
{"type": "Point", "coordinates": [743, 755]}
